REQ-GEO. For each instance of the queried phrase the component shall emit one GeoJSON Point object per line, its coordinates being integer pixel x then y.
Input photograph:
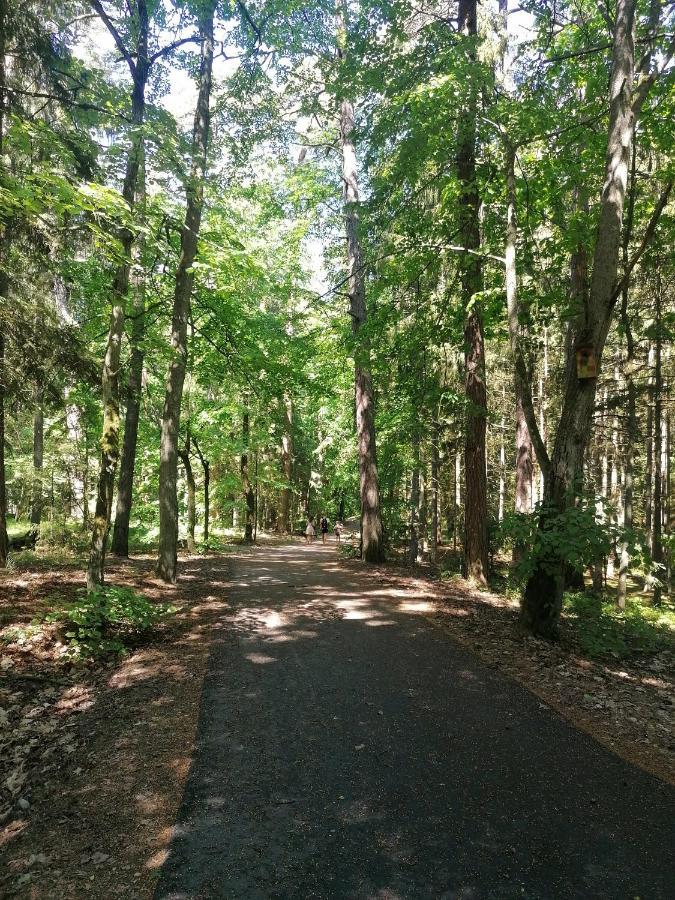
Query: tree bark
{"type": "Point", "coordinates": [284, 521]}
{"type": "Point", "coordinates": [38, 458]}
{"type": "Point", "coordinates": [524, 463]}
{"type": "Point", "coordinates": [120, 541]}
{"type": "Point", "coordinates": [657, 512]}
{"type": "Point", "coordinates": [184, 454]}
{"type": "Point", "coordinates": [475, 509]}
{"type": "Point", "coordinates": [247, 487]}
{"type": "Point", "coordinates": [4, 295]}
{"type": "Point", "coordinates": [111, 363]}
{"type": "Point", "coordinates": [649, 467]}
{"type": "Point", "coordinates": [631, 442]}
{"type": "Point", "coordinates": [542, 598]}
{"type": "Point", "coordinates": [4, 543]}
{"type": "Point", "coordinates": [413, 540]}
{"type": "Point", "coordinates": [435, 465]}
{"type": "Point", "coordinates": [206, 466]}
{"type": "Point", "coordinates": [372, 538]}
{"type": "Point", "coordinates": [168, 466]}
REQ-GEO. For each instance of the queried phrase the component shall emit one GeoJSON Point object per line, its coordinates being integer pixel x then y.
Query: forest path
{"type": "Point", "coordinates": [347, 747]}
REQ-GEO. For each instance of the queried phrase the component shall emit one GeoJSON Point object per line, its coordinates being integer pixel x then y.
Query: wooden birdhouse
{"type": "Point", "coordinates": [587, 363]}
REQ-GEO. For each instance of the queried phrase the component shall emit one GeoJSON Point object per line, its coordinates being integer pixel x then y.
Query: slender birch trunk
{"type": "Point", "coordinates": [168, 466]}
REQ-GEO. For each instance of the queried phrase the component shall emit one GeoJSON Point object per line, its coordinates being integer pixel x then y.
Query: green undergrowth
{"type": "Point", "coordinates": [105, 622]}
{"type": "Point", "coordinates": [604, 630]}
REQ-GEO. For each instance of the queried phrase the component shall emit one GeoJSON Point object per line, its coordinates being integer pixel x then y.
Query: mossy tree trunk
{"type": "Point", "coordinates": [168, 465]}
{"type": "Point", "coordinates": [139, 67]}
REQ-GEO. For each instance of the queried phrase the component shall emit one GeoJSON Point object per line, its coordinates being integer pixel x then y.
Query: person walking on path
{"type": "Point", "coordinates": [324, 529]}
{"type": "Point", "coordinates": [338, 531]}
{"type": "Point", "coordinates": [309, 531]}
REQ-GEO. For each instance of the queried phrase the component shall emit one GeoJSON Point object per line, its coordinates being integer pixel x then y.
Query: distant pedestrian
{"type": "Point", "coordinates": [309, 531]}
{"type": "Point", "coordinates": [324, 529]}
{"type": "Point", "coordinates": [338, 531]}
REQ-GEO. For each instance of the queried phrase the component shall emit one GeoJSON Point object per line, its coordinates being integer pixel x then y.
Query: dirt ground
{"type": "Point", "coordinates": [93, 760]}
{"type": "Point", "coordinates": [100, 754]}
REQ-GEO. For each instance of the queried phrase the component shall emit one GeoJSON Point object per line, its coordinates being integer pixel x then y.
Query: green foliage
{"type": "Point", "coordinates": [107, 620]}
{"type": "Point", "coordinates": [605, 630]}
{"type": "Point", "coordinates": [348, 550]}
{"type": "Point", "coordinates": [576, 537]}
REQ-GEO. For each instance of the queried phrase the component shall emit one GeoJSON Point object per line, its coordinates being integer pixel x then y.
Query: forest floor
{"type": "Point", "coordinates": [96, 758]}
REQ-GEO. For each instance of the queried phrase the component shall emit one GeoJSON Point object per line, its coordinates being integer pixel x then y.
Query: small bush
{"type": "Point", "coordinates": [348, 550]}
{"type": "Point", "coordinates": [548, 538]}
{"type": "Point", "coordinates": [107, 620]}
{"type": "Point", "coordinates": [605, 630]}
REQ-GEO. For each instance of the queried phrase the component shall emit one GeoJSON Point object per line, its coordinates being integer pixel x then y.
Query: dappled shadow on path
{"type": "Point", "coordinates": [346, 748]}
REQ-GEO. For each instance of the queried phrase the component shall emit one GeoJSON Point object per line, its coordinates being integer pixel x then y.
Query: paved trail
{"type": "Point", "coordinates": [348, 749]}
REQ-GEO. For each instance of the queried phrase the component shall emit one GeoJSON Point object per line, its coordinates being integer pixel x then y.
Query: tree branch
{"type": "Point", "coordinates": [105, 18]}
{"type": "Point", "coordinates": [192, 39]}
{"type": "Point", "coordinates": [646, 240]}
{"type": "Point", "coordinates": [38, 95]}
{"type": "Point", "coordinates": [249, 20]}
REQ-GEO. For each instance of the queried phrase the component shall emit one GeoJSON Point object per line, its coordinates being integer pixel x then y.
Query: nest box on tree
{"type": "Point", "coordinates": [587, 363]}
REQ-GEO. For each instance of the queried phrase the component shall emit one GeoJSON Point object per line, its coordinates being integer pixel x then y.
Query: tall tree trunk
{"type": "Point", "coordinates": [372, 538]}
{"type": "Point", "coordinates": [529, 438]}
{"type": "Point", "coordinates": [458, 499]}
{"type": "Point", "coordinates": [120, 541]}
{"type": "Point", "coordinates": [85, 479]}
{"type": "Point", "coordinates": [184, 454]}
{"type": "Point", "coordinates": [649, 467]}
{"type": "Point", "coordinates": [632, 436]}
{"type": "Point", "coordinates": [668, 504]}
{"type": "Point", "coordinates": [4, 543]}
{"type": "Point", "coordinates": [502, 460]}
{"type": "Point", "coordinates": [475, 508]}
{"type": "Point", "coordinates": [247, 487]}
{"type": "Point", "coordinates": [435, 465]}
{"type": "Point", "coordinates": [524, 463]}
{"type": "Point", "coordinates": [542, 598]}
{"type": "Point", "coordinates": [4, 295]}
{"type": "Point", "coordinates": [168, 465]}
{"type": "Point", "coordinates": [657, 512]}
{"type": "Point", "coordinates": [284, 521]}
{"type": "Point", "coordinates": [206, 466]}
{"type": "Point", "coordinates": [413, 540]}
{"type": "Point", "coordinates": [38, 457]}
{"type": "Point", "coordinates": [111, 363]}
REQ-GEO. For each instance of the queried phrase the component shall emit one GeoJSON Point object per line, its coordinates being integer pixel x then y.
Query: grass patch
{"type": "Point", "coordinates": [604, 630]}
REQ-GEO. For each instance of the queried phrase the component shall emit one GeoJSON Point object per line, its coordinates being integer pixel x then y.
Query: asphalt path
{"type": "Point", "coordinates": [347, 748]}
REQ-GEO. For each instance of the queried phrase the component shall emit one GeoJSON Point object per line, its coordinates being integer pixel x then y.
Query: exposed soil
{"type": "Point", "coordinates": [101, 753]}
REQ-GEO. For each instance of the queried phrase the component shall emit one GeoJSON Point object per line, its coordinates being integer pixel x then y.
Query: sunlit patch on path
{"type": "Point", "coordinates": [347, 748]}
